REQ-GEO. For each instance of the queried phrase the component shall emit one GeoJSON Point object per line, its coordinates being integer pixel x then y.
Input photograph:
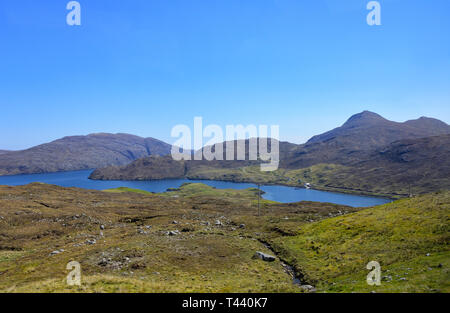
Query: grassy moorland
{"type": "Point", "coordinates": [134, 252]}
{"type": "Point", "coordinates": [409, 238]}
{"type": "Point", "coordinates": [200, 239]}
{"type": "Point", "coordinates": [126, 189]}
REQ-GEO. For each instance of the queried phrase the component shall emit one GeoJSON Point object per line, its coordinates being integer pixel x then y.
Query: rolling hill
{"type": "Point", "coordinates": [81, 152]}
{"type": "Point", "coordinates": [408, 238]}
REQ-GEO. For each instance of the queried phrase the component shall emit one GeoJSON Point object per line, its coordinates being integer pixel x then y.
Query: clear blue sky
{"type": "Point", "coordinates": [143, 66]}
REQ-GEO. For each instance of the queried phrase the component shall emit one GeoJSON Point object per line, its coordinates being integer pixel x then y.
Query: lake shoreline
{"type": "Point", "coordinates": [341, 190]}
{"type": "Point", "coordinates": [282, 193]}
{"type": "Point", "coordinates": [334, 189]}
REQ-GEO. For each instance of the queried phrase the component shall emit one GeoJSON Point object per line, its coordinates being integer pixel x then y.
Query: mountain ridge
{"type": "Point", "coordinates": [72, 153]}
{"type": "Point", "coordinates": [368, 130]}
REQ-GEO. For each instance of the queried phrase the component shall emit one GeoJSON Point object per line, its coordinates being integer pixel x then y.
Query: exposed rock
{"type": "Point", "coordinates": [387, 278]}
{"type": "Point", "coordinates": [308, 288]}
{"type": "Point", "coordinates": [56, 252]}
{"type": "Point", "coordinates": [91, 241]}
{"type": "Point", "coordinates": [264, 256]}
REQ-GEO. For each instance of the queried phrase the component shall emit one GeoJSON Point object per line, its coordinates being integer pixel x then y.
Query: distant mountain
{"type": "Point", "coordinates": [428, 125]}
{"type": "Point", "coordinates": [81, 152]}
{"type": "Point", "coordinates": [368, 130]}
{"type": "Point", "coordinates": [150, 168]}
{"type": "Point", "coordinates": [421, 164]}
{"type": "Point", "coordinates": [368, 153]}
{"type": "Point", "coordinates": [4, 151]}
{"type": "Point", "coordinates": [404, 166]}
{"type": "Point", "coordinates": [362, 133]}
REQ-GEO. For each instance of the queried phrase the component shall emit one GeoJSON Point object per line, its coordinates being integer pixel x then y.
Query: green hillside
{"type": "Point", "coordinates": [409, 238]}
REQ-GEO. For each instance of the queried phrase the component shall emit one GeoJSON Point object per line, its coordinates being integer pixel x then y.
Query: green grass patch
{"type": "Point", "coordinates": [126, 189]}
{"type": "Point", "coordinates": [402, 231]}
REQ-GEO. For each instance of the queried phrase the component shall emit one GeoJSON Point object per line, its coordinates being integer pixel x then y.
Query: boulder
{"type": "Point", "coordinates": [308, 288]}
{"type": "Point", "coordinates": [264, 256]}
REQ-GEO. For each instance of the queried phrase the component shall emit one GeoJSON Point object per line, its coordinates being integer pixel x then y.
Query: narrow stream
{"type": "Point", "coordinates": [297, 278]}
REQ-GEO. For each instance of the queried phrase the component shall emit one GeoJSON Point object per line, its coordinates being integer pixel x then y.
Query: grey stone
{"type": "Point", "coordinates": [308, 288]}
{"type": "Point", "coordinates": [264, 256]}
{"type": "Point", "coordinates": [173, 233]}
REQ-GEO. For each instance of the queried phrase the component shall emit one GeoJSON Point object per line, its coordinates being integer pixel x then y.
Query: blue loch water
{"type": "Point", "coordinates": [282, 194]}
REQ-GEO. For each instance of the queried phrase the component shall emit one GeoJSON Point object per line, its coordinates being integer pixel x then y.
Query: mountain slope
{"type": "Point", "coordinates": [404, 167]}
{"type": "Point", "coordinates": [407, 166]}
{"type": "Point", "coordinates": [368, 130]}
{"type": "Point", "coordinates": [150, 168]}
{"type": "Point", "coordinates": [81, 152]}
{"type": "Point", "coordinates": [362, 134]}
